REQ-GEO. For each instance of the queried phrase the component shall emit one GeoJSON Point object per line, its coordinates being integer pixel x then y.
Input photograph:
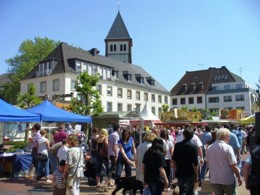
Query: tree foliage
{"type": "Point", "coordinates": [89, 98]}
{"type": "Point", "coordinates": [28, 99]}
{"type": "Point", "coordinates": [29, 54]}
{"type": "Point", "coordinates": [165, 107]}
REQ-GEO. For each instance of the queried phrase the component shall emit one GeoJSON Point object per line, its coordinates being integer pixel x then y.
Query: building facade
{"type": "Point", "coordinates": [123, 86]}
{"type": "Point", "coordinates": [213, 89]}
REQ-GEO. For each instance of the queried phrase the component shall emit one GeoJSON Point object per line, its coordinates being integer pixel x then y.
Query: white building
{"type": "Point", "coordinates": [123, 86]}
{"type": "Point", "coordinates": [213, 89]}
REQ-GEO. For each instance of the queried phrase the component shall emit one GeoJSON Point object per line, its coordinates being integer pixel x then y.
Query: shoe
{"type": "Point", "coordinates": [167, 190]}
{"type": "Point", "coordinates": [110, 185]}
{"type": "Point", "coordinates": [98, 186]}
{"type": "Point", "coordinates": [48, 181]}
{"type": "Point", "coordinates": [195, 192]}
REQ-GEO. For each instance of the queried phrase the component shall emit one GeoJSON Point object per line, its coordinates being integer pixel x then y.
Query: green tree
{"type": "Point", "coordinates": [165, 108]}
{"type": "Point", "coordinates": [30, 53]}
{"type": "Point", "coordinates": [28, 99]}
{"type": "Point", "coordinates": [89, 102]}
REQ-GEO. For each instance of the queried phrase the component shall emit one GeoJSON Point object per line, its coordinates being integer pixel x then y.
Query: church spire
{"type": "Point", "coordinates": [118, 41]}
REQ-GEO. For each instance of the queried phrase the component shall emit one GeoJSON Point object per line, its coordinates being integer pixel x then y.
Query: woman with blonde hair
{"type": "Point", "coordinates": [102, 155]}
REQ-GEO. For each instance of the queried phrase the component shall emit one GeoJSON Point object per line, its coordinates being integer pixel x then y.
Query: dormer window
{"type": "Point", "coordinates": [201, 86]}
{"type": "Point", "coordinates": [192, 86]}
{"type": "Point", "coordinates": [127, 76]}
{"type": "Point", "coordinates": [184, 87]}
{"type": "Point", "coordinates": [46, 67]}
{"type": "Point", "coordinates": [115, 74]}
{"type": "Point", "coordinates": [150, 80]}
{"type": "Point", "coordinates": [139, 78]}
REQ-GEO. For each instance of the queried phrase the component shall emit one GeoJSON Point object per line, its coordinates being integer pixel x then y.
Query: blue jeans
{"type": "Point", "coordinates": [203, 171]}
{"type": "Point", "coordinates": [155, 189]}
{"type": "Point", "coordinates": [186, 185]}
{"type": "Point", "coordinates": [119, 168]}
{"type": "Point", "coordinates": [43, 165]}
{"type": "Point", "coordinates": [54, 161]}
{"type": "Point", "coordinates": [220, 189]}
{"type": "Point", "coordinates": [101, 160]}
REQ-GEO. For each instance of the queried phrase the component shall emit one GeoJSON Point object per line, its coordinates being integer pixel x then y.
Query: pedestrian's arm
{"type": "Point", "coordinates": [236, 172]}
{"type": "Point", "coordinates": [163, 174]}
{"type": "Point", "coordinates": [246, 169]}
{"type": "Point", "coordinates": [123, 154]}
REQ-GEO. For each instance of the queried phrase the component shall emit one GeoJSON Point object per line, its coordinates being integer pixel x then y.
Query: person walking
{"type": "Point", "coordinates": [58, 181]}
{"type": "Point", "coordinates": [153, 166]}
{"type": "Point", "coordinates": [43, 146]}
{"type": "Point", "coordinates": [35, 136]}
{"type": "Point", "coordinates": [52, 154]}
{"type": "Point", "coordinates": [222, 165]}
{"type": "Point", "coordinates": [60, 134]}
{"type": "Point", "coordinates": [126, 152]}
{"type": "Point", "coordinates": [168, 156]}
{"type": "Point", "coordinates": [140, 151]}
{"type": "Point", "coordinates": [113, 150]}
{"type": "Point", "coordinates": [102, 156]}
{"type": "Point", "coordinates": [252, 169]}
{"type": "Point", "coordinates": [74, 167]}
{"type": "Point", "coordinates": [63, 150]}
{"type": "Point", "coordinates": [185, 162]}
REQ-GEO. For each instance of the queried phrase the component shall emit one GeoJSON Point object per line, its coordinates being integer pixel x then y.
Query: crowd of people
{"type": "Point", "coordinates": [188, 154]}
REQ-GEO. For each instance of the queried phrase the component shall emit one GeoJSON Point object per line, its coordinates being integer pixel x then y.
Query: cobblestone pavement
{"type": "Point", "coordinates": [24, 186]}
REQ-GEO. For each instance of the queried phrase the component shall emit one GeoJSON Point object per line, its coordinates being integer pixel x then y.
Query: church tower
{"type": "Point", "coordinates": [118, 41]}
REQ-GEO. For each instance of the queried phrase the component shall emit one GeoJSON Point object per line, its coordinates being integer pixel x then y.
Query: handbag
{"type": "Point", "coordinates": [253, 180]}
{"type": "Point", "coordinates": [42, 157]}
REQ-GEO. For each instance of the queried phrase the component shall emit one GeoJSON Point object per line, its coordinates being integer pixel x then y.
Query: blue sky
{"type": "Point", "coordinates": [169, 37]}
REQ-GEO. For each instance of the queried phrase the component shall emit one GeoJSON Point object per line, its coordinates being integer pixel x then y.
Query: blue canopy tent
{"type": "Point", "coordinates": [9, 113]}
{"type": "Point", "coordinates": [50, 113]}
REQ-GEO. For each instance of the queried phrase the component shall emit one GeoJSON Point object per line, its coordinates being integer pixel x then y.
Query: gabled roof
{"type": "Point", "coordinates": [202, 80]}
{"type": "Point", "coordinates": [65, 55]}
{"type": "Point", "coordinates": [118, 29]}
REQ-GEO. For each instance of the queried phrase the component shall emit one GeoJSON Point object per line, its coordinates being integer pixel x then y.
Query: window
{"type": "Point", "coordinates": [56, 85]}
{"type": "Point", "coordinates": [43, 86]}
{"type": "Point", "coordinates": [215, 88]}
{"type": "Point", "coordinates": [238, 86]}
{"type": "Point", "coordinates": [109, 106]}
{"type": "Point", "coordinates": [129, 107]}
{"type": "Point", "coordinates": [199, 100]}
{"type": "Point", "coordinates": [228, 98]}
{"type": "Point", "coordinates": [99, 88]}
{"type": "Point", "coordinates": [213, 99]}
{"type": "Point", "coordinates": [159, 99]}
{"type": "Point", "coordinates": [119, 107]}
{"type": "Point", "coordinates": [138, 97]}
{"type": "Point", "coordinates": [153, 98]}
{"type": "Point", "coordinates": [111, 47]}
{"type": "Point", "coordinates": [121, 47]}
{"type": "Point", "coordinates": [29, 86]}
{"type": "Point", "coordinates": [129, 94]}
{"type": "Point", "coordinates": [145, 96]}
{"type": "Point", "coordinates": [228, 108]}
{"type": "Point", "coordinates": [174, 101]}
{"type": "Point", "coordinates": [240, 98]}
{"type": "Point", "coordinates": [72, 84]}
{"type": "Point", "coordinates": [216, 110]}
{"type": "Point", "coordinates": [109, 91]}
{"type": "Point", "coordinates": [241, 108]}
{"type": "Point", "coordinates": [183, 101]}
{"type": "Point", "coordinates": [138, 108]}
{"type": "Point", "coordinates": [153, 110]}
{"type": "Point", "coordinates": [124, 47]}
{"type": "Point", "coordinates": [191, 100]}
{"type": "Point", "coordinates": [159, 111]}
{"type": "Point", "coordinates": [114, 47]}
{"type": "Point", "coordinates": [166, 100]}
{"type": "Point", "coordinates": [119, 92]}
{"type": "Point", "coordinates": [226, 87]}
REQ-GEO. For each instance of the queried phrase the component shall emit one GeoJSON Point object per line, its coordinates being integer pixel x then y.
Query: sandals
{"type": "Point", "coordinates": [98, 186]}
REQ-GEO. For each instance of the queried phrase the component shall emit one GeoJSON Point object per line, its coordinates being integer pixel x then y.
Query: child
{"type": "Point", "coordinates": [58, 181]}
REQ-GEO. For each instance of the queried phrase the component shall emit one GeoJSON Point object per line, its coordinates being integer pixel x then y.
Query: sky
{"type": "Point", "coordinates": [169, 37]}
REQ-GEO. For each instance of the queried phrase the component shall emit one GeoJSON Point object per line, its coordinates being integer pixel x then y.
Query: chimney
{"type": "Point", "coordinates": [94, 51]}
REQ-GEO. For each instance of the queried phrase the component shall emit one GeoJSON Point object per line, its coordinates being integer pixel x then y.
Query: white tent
{"type": "Point", "coordinates": [147, 114]}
